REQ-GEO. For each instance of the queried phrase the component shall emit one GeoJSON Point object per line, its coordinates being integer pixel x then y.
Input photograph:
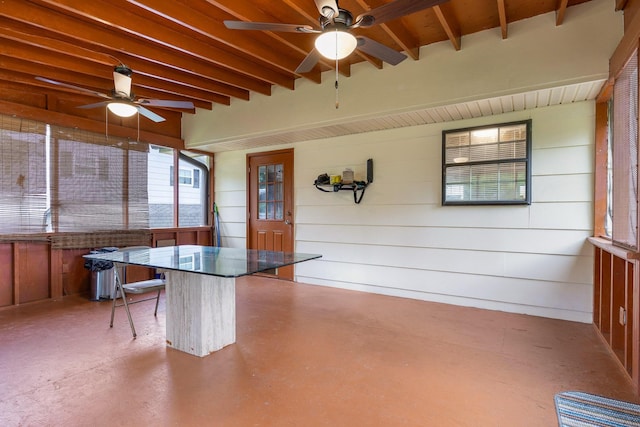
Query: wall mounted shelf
{"type": "Point", "coordinates": [358, 187]}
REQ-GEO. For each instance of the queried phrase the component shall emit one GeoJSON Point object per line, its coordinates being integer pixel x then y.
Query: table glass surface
{"type": "Point", "coordinates": [215, 261]}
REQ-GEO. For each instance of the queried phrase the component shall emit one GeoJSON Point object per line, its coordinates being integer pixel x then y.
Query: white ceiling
{"type": "Point", "coordinates": [449, 113]}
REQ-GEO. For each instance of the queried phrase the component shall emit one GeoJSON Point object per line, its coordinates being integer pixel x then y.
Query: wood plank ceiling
{"type": "Point", "coordinates": [181, 50]}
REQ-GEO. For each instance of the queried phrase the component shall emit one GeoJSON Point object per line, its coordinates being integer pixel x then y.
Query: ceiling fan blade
{"type": "Point", "coordinates": [122, 84]}
{"type": "Point", "coordinates": [96, 105]}
{"type": "Point", "coordinates": [150, 114]}
{"type": "Point", "coordinates": [77, 88]}
{"type": "Point", "coordinates": [327, 8]}
{"type": "Point", "coordinates": [393, 10]}
{"type": "Point", "coordinates": [166, 103]}
{"type": "Point", "coordinates": [270, 26]}
{"type": "Point", "coordinates": [308, 62]}
{"type": "Point", "coordinates": [380, 51]}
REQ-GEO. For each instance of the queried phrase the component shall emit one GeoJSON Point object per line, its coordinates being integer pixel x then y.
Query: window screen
{"type": "Point", "coordinates": [487, 165]}
{"type": "Point", "coordinates": [60, 179]}
{"type": "Point", "coordinates": [625, 156]}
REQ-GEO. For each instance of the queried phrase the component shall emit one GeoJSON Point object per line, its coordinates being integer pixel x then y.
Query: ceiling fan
{"type": "Point", "coordinates": [335, 40]}
{"type": "Point", "coordinates": [122, 102]}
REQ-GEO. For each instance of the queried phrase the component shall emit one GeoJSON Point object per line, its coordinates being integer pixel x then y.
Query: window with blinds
{"type": "Point", "coordinates": [55, 179]}
{"type": "Point", "coordinates": [24, 203]}
{"type": "Point", "coordinates": [625, 156]}
{"type": "Point", "coordinates": [487, 165]}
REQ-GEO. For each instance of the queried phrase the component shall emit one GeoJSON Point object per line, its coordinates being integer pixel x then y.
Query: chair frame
{"type": "Point", "coordinates": [135, 288]}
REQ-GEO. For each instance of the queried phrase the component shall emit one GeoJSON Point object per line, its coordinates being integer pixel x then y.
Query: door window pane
{"type": "Point", "coordinates": [271, 192]}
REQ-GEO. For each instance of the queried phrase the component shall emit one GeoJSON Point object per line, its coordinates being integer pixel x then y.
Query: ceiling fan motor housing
{"type": "Point", "coordinates": [344, 17]}
{"type": "Point", "coordinates": [122, 81]}
{"type": "Point", "coordinates": [123, 69]}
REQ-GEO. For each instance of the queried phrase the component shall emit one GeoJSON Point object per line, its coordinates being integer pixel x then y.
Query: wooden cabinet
{"type": "Point", "coordinates": [615, 303]}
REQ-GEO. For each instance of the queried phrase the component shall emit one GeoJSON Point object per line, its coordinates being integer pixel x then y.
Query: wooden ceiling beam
{"type": "Point", "coordinates": [449, 24]}
{"type": "Point", "coordinates": [560, 11]}
{"type": "Point", "coordinates": [40, 47]}
{"type": "Point", "coordinates": [296, 43]}
{"type": "Point", "coordinates": [26, 71]}
{"type": "Point", "coordinates": [66, 120]}
{"type": "Point", "coordinates": [621, 4]}
{"type": "Point", "coordinates": [132, 26]}
{"type": "Point", "coordinates": [502, 13]}
{"type": "Point", "coordinates": [184, 16]}
{"type": "Point", "coordinates": [99, 39]}
{"type": "Point", "coordinates": [398, 33]}
{"type": "Point", "coordinates": [301, 46]}
{"type": "Point", "coordinates": [370, 59]}
{"type": "Point", "coordinates": [39, 58]}
{"type": "Point", "coordinates": [217, 92]}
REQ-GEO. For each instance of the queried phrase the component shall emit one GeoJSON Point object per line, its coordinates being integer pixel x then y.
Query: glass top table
{"type": "Point", "coordinates": [200, 288]}
{"type": "Point", "coordinates": [214, 261]}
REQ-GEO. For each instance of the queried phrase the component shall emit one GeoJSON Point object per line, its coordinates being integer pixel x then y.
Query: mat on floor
{"type": "Point", "coordinates": [577, 409]}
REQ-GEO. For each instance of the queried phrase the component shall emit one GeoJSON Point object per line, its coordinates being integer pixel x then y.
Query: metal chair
{"type": "Point", "coordinates": [137, 288]}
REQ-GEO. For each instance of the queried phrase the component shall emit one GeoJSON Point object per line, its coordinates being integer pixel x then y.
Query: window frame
{"type": "Point", "coordinates": [526, 160]}
{"type": "Point", "coordinates": [183, 179]}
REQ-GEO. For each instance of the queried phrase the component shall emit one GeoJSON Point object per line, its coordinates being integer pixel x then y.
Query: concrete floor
{"type": "Point", "coordinates": [305, 356]}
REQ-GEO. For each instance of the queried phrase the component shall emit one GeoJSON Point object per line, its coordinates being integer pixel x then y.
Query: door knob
{"type": "Point", "coordinates": [287, 222]}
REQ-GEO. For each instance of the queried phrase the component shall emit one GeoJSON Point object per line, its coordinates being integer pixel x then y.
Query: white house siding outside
{"type": "Point", "coordinates": [160, 190]}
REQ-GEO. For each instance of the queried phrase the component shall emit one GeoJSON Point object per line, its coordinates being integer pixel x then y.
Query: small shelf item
{"type": "Point", "coordinates": [324, 184]}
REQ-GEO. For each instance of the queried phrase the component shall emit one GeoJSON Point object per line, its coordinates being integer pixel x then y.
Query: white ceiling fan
{"type": "Point", "coordinates": [335, 40]}
{"type": "Point", "coordinates": [122, 100]}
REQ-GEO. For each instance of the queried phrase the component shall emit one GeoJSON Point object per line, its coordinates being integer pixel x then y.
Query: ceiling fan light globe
{"type": "Point", "coordinates": [122, 109]}
{"type": "Point", "coordinates": [336, 44]}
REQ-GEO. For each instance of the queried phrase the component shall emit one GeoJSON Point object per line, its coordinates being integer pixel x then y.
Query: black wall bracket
{"type": "Point", "coordinates": [358, 187]}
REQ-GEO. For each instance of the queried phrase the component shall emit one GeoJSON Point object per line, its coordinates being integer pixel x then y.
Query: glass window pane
{"type": "Point", "coordinates": [513, 133]}
{"type": "Point", "coordinates": [262, 174]}
{"type": "Point", "coordinates": [479, 164]}
{"type": "Point", "coordinates": [484, 136]}
{"type": "Point", "coordinates": [160, 187]}
{"type": "Point", "coordinates": [270, 192]}
{"type": "Point", "coordinates": [192, 207]}
{"type": "Point", "coordinates": [270, 213]}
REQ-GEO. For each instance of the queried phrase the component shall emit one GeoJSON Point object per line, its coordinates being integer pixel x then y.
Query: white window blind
{"type": "Point", "coordinates": [60, 179]}
{"type": "Point", "coordinates": [23, 176]}
{"type": "Point", "coordinates": [487, 165]}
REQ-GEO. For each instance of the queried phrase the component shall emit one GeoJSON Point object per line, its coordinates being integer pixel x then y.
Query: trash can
{"type": "Point", "coordinates": [103, 278]}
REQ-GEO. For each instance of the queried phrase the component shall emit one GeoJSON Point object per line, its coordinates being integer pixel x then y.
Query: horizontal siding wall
{"type": "Point", "coordinates": [400, 241]}
{"type": "Point", "coordinates": [231, 198]}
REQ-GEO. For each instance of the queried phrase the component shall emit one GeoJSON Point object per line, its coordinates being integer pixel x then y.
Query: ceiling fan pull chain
{"type": "Point", "coordinates": [337, 99]}
{"type": "Point", "coordinates": [106, 124]}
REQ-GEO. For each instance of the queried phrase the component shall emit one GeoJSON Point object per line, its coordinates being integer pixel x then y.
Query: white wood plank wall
{"type": "Point", "coordinates": [400, 241]}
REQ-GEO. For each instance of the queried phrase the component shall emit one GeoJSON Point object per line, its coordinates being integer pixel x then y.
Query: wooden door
{"type": "Point", "coordinates": [270, 202]}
